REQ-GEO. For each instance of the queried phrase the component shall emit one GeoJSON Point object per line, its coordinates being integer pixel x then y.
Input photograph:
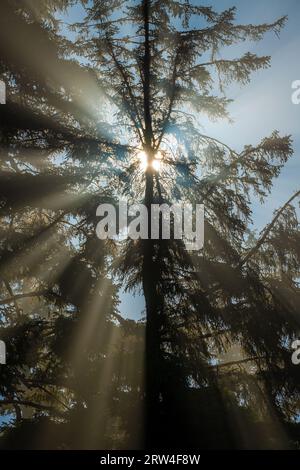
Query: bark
{"type": "Point", "coordinates": [149, 274]}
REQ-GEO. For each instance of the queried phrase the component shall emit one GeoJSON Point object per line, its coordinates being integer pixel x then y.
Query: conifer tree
{"type": "Point", "coordinates": [157, 63]}
{"type": "Point", "coordinates": [65, 340]}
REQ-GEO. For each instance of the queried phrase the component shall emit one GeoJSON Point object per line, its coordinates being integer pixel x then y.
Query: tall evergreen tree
{"type": "Point", "coordinates": [157, 63]}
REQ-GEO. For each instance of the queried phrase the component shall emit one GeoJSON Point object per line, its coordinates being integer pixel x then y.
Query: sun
{"type": "Point", "coordinates": [144, 164]}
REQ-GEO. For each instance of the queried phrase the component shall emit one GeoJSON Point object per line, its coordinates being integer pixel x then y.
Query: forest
{"type": "Point", "coordinates": [111, 105]}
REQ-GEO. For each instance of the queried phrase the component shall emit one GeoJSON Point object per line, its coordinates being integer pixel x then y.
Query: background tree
{"type": "Point", "coordinates": [66, 349]}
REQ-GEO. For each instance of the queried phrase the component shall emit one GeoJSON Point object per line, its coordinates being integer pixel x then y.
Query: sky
{"type": "Point", "coordinates": [265, 104]}
{"type": "Point", "coordinates": [260, 107]}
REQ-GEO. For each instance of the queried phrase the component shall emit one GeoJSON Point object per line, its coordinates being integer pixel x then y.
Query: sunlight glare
{"type": "Point", "coordinates": [156, 162]}
{"type": "Point", "coordinates": [143, 160]}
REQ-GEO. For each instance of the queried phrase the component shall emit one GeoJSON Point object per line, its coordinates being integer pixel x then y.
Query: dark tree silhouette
{"type": "Point", "coordinates": [67, 347]}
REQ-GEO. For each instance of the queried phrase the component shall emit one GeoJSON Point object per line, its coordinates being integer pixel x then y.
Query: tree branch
{"type": "Point", "coordinates": [267, 230]}
{"type": "Point", "coordinates": [15, 297]}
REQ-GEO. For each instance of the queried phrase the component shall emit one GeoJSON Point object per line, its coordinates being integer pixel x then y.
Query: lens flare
{"type": "Point", "coordinates": [156, 163]}
{"type": "Point", "coordinates": [143, 160]}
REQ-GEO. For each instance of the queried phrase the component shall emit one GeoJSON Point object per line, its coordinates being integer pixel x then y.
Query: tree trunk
{"type": "Point", "coordinates": [149, 274]}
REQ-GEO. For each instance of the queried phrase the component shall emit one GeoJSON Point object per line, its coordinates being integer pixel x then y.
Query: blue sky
{"type": "Point", "coordinates": [259, 107]}
{"type": "Point", "coordinates": [265, 104]}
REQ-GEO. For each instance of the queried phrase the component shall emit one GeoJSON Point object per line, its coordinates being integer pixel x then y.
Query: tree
{"type": "Point", "coordinates": [219, 321]}
{"type": "Point", "coordinates": [59, 305]}
{"type": "Point", "coordinates": [155, 71]}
